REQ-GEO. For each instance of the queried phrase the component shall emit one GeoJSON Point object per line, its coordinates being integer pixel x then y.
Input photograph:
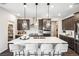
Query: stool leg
{"type": "Point", "coordinates": [23, 53]}
{"type": "Point", "coordinates": [36, 54]}
{"type": "Point", "coordinates": [28, 53]}
{"type": "Point", "coordinates": [49, 53]}
{"type": "Point", "coordinates": [14, 53]}
{"type": "Point", "coordinates": [19, 53]}
{"type": "Point", "coordinates": [42, 53]}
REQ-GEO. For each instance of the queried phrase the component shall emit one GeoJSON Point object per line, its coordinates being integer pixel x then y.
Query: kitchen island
{"type": "Point", "coordinates": [37, 40]}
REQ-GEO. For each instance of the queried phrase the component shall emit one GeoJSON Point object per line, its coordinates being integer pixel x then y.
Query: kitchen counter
{"type": "Point", "coordinates": [67, 35]}
{"type": "Point", "coordinates": [42, 40]}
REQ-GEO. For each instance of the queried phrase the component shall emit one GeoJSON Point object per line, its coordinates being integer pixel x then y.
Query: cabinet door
{"type": "Point", "coordinates": [69, 40]}
{"type": "Point", "coordinates": [19, 24]}
{"type": "Point", "coordinates": [41, 24]}
{"type": "Point", "coordinates": [60, 36]}
{"type": "Point", "coordinates": [63, 25]}
{"type": "Point", "coordinates": [68, 23]}
{"type": "Point", "coordinates": [75, 46]}
{"type": "Point", "coordinates": [63, 37]}
{"type": "Point", "coordinates": [71, 43]}
{"type": "Point", "coordinates": [28, 24]}
{"type": "Point", "coordinates": [78, 47]}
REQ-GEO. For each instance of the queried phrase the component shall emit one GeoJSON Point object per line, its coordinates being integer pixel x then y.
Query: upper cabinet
{"type": "Point", "coordinates": [68, 23]}
{"type": "Point", "coordinates": [45, 26]}
{"type": "Point", "coordinates": [21, 23]}
{"type": "Point", "coordinates": [40, 24]}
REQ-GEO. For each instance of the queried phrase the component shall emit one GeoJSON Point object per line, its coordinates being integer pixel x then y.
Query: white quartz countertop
{"type": "Point", "coordinates": [67, 35]}
{"type": "Point", "coordinates": [32, 40]}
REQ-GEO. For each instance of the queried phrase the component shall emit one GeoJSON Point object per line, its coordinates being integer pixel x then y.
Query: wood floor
{"type": "Point", "coordinates": [69, 53]}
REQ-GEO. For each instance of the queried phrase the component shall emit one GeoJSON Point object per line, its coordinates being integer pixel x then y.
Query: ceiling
{"type": "Point", "coordinates": [56, 10]}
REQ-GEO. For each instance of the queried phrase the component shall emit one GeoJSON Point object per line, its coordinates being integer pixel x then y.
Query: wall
{"type": "Point", "coordinates": [59, 21]}
{"type": "Point", "coordinates": [4, 18]}
{"type": "Point", "coordinates": [54, 27]}
{"type": "Point", "coordinates": [59, 27]}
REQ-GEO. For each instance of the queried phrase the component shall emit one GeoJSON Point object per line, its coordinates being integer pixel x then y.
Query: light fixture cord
{"type": "Point", "coordinates": [36, 12]}
{"type": "Point", "coordinates": [24, 12]}
{"type": "Point", "coordinates": [48, 11]}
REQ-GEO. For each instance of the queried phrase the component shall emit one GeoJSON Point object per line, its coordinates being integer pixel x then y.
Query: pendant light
{"type": "Point", "coordinates": [24, 5]}
{"type": "Point", "coordinates": [24, 25]}
{"type": "Point", "coordinates": [48, 9]}
{"type": "Point", "coordinates": [36, 24]}
{"type": "Point", "coordinates": [36, 12]}
{"type": "Point", "coordinates": [48, 22]}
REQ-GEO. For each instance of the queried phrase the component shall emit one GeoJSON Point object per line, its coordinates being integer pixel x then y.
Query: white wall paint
{"type": "Point", "coordinates": [4, 17]}
{"type": "Point", "coordinates": [59, 20]}
{"type": "Point", "coordinates": [59, 26]}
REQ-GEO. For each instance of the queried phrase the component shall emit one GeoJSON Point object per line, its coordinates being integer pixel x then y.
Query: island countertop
{"type": "Point", "coordinates": [32, 40]}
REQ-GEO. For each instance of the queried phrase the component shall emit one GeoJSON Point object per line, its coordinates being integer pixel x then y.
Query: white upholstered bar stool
{"type": "Point", "coordinates": [46, 49]}
{"type": "Point", "coordinates": [59, 49]}
{"type": "Point", "coordinates": [31, 49]}
{"type": "Point", "coordinates": [17, 49]}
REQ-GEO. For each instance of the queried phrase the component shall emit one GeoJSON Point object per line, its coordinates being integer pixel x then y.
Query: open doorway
{"type": "Point", "coordinates": [54, 28]}
{"type": "Point", "coordinates": [10, 32]}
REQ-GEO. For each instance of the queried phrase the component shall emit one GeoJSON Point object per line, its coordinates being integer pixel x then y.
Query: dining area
{"type": "Point", "coordinates": [30, 46]}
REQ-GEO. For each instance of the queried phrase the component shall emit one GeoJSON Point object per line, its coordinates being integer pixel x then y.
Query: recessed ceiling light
{"type": "Point", "coordinates": [24, 5]}
{"type": "Point", "coordinates": [52, 6]}
{"type": "Point", "coordinates": [70, 6]}
{"type": "Point", "coordinates": [59, 14]}
{"type": "Point", "coordinates": [18, 14]}
{"type": "Point", "coordinates": [46, 14]}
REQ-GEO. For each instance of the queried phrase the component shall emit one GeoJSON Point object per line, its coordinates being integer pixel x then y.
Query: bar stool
{"type": "Point", "coordinates": [60, 48]}
{"type": "Point", "coordinates": [46, 49]}
{"type": "Point", "coordinates": [17, 49]}
{"type": "Point", "coordinates": [31, 49]}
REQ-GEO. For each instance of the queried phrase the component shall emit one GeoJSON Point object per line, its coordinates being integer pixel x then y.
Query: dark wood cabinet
{"type": "Point", "coordinates": [40, 24]}
{"type": "Point", "coordinates": [69, 40]}
{"type": "Point", "coordinates": [76, 34]}
{"type": "Point", "coordinates": [20, 22]}
{"type": "Point", "coordinates": [73, 43]}
{"type": "Point", "coordinates": [76, 46]}
{"type": "Point", "coordinates": [68, 23]}
{"type": "Point", "coordinates": [45, 26]}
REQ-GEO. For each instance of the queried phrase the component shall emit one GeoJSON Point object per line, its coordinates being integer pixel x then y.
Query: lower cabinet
{"type": "Point", "coordinates": [76, 47]}
{"type": "Point", "coordinates": [69, 40]}
{"type": "Point", "coordinates": [73, 44]}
